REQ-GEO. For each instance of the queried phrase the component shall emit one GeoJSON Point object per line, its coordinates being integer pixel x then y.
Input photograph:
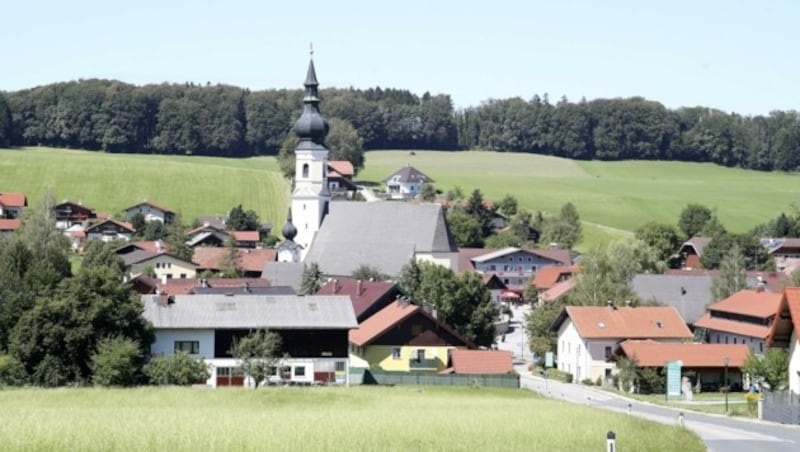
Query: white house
{"type": "Point", "coordinates": [109, 230]}
{"type": "Point", "coordinates": [406, 183]}
{"type": "Point", "coordinates": [313, 330]}
{"type": "Point", "coordinates": [588, 335]}
{"type": "Point", "coordinates": [792, 297]}
{"type": "Point", "coordinates": [151, 212]}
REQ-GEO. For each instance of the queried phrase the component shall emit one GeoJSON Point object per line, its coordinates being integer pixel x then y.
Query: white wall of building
{"type": "Point", "coordinates": [794, 363]}
{"type": "Point", "coordinates": [164, 344]}
{"type": "Point", "coordinates": [447, 260]}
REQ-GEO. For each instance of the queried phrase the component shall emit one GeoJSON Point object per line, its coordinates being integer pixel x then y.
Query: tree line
{"type": "Point", "coordinates": [223, 120]}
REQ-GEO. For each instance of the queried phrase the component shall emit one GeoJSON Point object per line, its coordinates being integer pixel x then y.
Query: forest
{"type": "Point", "coordinates": [221, 120]}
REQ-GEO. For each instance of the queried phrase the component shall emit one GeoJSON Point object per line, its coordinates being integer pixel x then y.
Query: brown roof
{"type": "Point", "coordinates": [481, 361]}
{"type": "Point", "coordinates": [371, 291]}
{"type": "Point", "coordinates": [557, 291]}
{"type": "Point", "coordinates": [698, 243]}
{"type": "Point", "coordinates": [13, 199]}
{"type": "Point", "coordinates": [206, 227]}
{"type": "Point", "coordinates": [750, 303]}
{"type": "Point", "coordinates": [251, 260]}
{"type": "Point", "coordinates": [733, 326]}
{"type": "Point", "coordinates": [176, 286]}
{"type": "Point", "coordinates": [396, 312]}
{"type": "Point", "coordinates": [122, 224]}
{"type": "Point", "coordinates": [9, 225]}
{"type": "Point", "coordinates": [645, 322]}
{"type": "Point", "coordinates": [150, 245]}
{"type": "Point", "coordinates": [343, 167]}
{"type": "Point", "coordinates": [151, 204]}
{"type": "Point", "coordinates": [655, 354]}
{"type": "Point", "coordinates": [246, 236]}
{"type": "Point", "coordinates": [547, 277]}
{"type": "Point", "coordinates": [792, 295]}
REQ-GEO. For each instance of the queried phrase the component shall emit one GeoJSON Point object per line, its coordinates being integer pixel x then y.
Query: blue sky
{"type": "Point", "coordinates": [737, 55]}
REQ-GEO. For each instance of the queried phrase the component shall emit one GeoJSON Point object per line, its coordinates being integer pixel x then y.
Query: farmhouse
{"type": "Point", "coordinates": [11, 204]}
{"type": "Point", "coordinates": [368, 297]}
{"type": "Point", "coordinates": [691, 251]}
{"type": "Point", "coordinates": [164, 265]}
{"type": "Point", "coordinates": [248, 262]}
{"type": "Point", "coordinates": [69, 213]}
{"type": "Point", "coordinates": [313, 331]}
{"type": "Point", "coordinates": [406, 183]}
{"type": "Point", "coordinates": [109, 230]}
{"type": "Point", "coordinates": [151, 212]}
{"type": "Point", "coordinates": [688, 293]}
{"type": "Point", "coordinates": [516, 267]}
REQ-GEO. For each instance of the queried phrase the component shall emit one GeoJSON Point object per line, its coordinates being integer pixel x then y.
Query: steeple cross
{"type": "Point", "coordinates": [311, 49]}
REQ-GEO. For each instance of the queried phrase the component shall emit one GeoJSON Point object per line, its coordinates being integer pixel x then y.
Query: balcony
{"type": "Point", "coordinates": [423, 364]}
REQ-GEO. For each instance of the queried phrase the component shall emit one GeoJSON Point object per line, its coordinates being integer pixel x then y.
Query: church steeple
{"type": "Point", "coordinates": [311, 125]}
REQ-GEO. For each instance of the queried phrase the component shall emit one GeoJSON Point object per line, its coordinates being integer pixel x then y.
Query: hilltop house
{"type": "Point", "coordinates": [406, 183]}
{"type": "Point", "coordinates": [11, 204]}
{"type": "Point", "coordinates": [69, 213]}
{"type": "Point", "coordinates": [151, 212]}
{"type": "Point", "coordinates": [313, 331]}
{"type": "Point", "coordinates": [109, 230]}
{"type": "Point", "coordinates": [588, 335]}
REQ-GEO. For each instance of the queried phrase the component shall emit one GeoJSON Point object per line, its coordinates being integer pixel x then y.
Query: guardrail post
{"type": "Point", "coordinates": [611, 441]}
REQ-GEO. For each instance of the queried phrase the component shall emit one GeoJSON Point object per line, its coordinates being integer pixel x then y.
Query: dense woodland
{"type": "Point", "coordinates": [222, 120]}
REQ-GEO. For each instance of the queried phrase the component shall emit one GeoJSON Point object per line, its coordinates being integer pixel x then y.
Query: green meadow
{"type": "Point", "coordinates": [362, 418]}
{"type": "Point", "coordinates": [613, 198]}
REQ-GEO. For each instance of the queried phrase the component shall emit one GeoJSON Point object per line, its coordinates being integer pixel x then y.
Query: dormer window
{"type": "Point", "coordinates": [659, 325]}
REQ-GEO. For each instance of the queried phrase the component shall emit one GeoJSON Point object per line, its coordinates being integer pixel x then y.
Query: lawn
{"type": "Point", "coordinates": [362, 418]}
{"type": "Point", "coordinates": [109, 183]}
{"type": "Point", "coordinates": [707, 402]}
{"type": "Point", "coordinates": [613, 198]}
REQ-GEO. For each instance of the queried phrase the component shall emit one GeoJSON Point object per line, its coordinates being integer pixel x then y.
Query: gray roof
{"type": "Point", "coordinates": [409, 174]}
{"type": "Point", "coordinates": [134, 257]}
{"type": "Point", "coordinates": [250, 311]}
{"type": "Point", "coordinates": [383, 235]}
{"type": "Point", "coordinates": [689, 294]}
{"type": "Point", "coordinates": [236, 291]}
{"type": "Point", "coordinates": [699, 244]}
{"type": "Point", "coordinates": [284, 274]}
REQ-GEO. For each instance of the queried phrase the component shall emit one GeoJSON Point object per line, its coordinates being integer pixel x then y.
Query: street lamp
{"type": "Point", "coordinates": [726, 360]}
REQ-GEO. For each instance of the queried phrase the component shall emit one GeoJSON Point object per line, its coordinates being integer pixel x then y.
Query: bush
{"type": "Point", "coordinates": [599, 381]}
{"type": "Point", "coordinates": [559, 375]}
{"type": "Point", "coordinates": [587, 382]}
{"type": "Point", "coordinates": [651, 381]}
{"type": "Point", "coordinates": [117, 362]}
{"type": "Point", "coordinates": [752, 399]}
{"type": "Point", "coordinates": [178, 369]}
{"type": "Point", "coordinates": [11, 371]}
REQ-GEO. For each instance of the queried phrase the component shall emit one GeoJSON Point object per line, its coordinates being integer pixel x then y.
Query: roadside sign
{"type": "Point", "coordinates": [548, 359]}
{"type": "Point", "coordinates": [674, 378]}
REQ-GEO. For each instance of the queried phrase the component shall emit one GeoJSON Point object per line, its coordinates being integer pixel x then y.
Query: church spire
{"type": "Point", "coordinates": [311, 125]}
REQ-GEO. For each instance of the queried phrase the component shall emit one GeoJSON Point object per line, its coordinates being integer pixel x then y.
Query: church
{"type": "Point", "coordinates": [342, 235]}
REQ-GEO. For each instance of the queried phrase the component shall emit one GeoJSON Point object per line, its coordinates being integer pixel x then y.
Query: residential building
{"type": "Point", "coordinates": [691, 252]}
{"type": "Point", "coordinates": [588, 335]}
{"type": "Point", "coordinates": [9, 226]}
{"type": "Point", "coordinates": [69, 213]}
{"type": "Point", "coordinates": [368, 297]}
{"type": "Point", "coordinates": [406, 183]}
{"type": "Point", "coordinates": [688, 293]}
{"type": "Point", "coordinates": [165, 266]}
{"type": "Point", "coordinates": [207, 235]}
{"type": "Point", "coordinates": [785, 251]}
{"type": "Point", "coordinates": [340, 177]}
{"type": "Point", "coordinates": [792, 298]}
{"type": "Point", "coordinates": [404, 337]}
{"type": "Point", "coordinates": [516, 267]}
{"type": "Point", "coordinates": [151, 212]}
{"type": "Point", "coordinates": [11, 205]}
{"type": "Point", "coordinates": [313, 332]}
{"type": "Point", "coordinates": [109, 230]}
{"type": "Point", "coordinates": [146, 285]}
{"type": "Point", "coordinates": [248, 262]}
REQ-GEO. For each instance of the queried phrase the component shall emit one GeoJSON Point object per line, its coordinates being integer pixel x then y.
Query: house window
{"type": "Point", "coordinates": [519, 259]}
{"type": "Point", "coordinates": [608, 352]}
{"type": "Point", "coordinates": [158, 265]}
{"type": "Point", "coordinates": [339, 366]}
{"type": "Point", "coordinates": [183, 275]}
{"type": "Point", "coordinates": [491, 267]}
{"type": "Point", "coordinates": [305, 170]}
{"type": "Point", "coordinates": [223, 371]}
{"type": "Point", "coordinates": [505, 281]}
{"type": "Point", "coordinates": [421, 354]}
{"type": "Point", "coordinates": [726, 339]}
{"type": "Point", "coordinates": [300, 371]}
{"type": "Point", "coordinates": [190, 347]}
{"type": "Point", "coordinates": [761, 347]}
{"type": "Point", "coordinates": [734, 340]}
{"type": "Point", "coordinates": [169, 275]}
{"type": "Point", "coordinates": [169, 264]}
{"type": "Point", "coordinates": [395, 352]}
{"type": "Point", "coordinates": [511, 258]}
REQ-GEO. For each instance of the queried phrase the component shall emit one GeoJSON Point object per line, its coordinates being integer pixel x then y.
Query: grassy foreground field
{"type": "Point", "coordinates": [110, 182]}
{"type": "Point", "coordinates": [364, 418]}
{"type": "Point", "coordinates": [613, 198]}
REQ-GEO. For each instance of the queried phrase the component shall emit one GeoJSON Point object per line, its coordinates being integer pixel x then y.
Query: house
{"type": "Point", "coordinates": [691, 251]}
{"type": "Point", "coordinates": [498, 289]}
{"type": "Point", "coordinates": [151, 212]}
{"type": "Point", "coordinates": [249, 262]}
{"type": "Point", "coordinates": [756, 318]}
{"type": "Point", "coordinates": [480, 362]}
{"type": "Point", "coordinates": [69, 213]}
{"type": "Point", "coordinates": [588, 335]}
{"type": "Point", "coordinates": [165, 266]}
{"type": "Point", "coordinates": [557, 291]}
{"type": "Point", "coordinates": [792, 298]}
{"type": "Point", "coordinates": [404, 337]}
{"type": "Point", "coordinates": [284, 274]}
{"type": "Point", "coordinates": [754, 279]}
{"type": "Point", "coordinates": [9, 226]}
{"type": "Point", "coordinates": [246, 239]}
{"type": "Point", "coordinates": [340, 176]}
{"type": "Point", "coordinates": [706, 362]}
{"type": "Point", "coordinates": [146, 285]}
{"type": "Point", "coordinates": [218, 222]}
{"type": "Point", "coordinates": [515, 267]}
{"type": "Point", "coordinates": [109, 230]}
{"type": "Point", "coordinates": [11, 204]}
{"type": "Point", "coordinates": [207, 235]}
{"type": "Point", "coordinates": [382, 235]}
{"type": "Point", "coordinates": [406, 183]}
{"type": "Point", "coordinates": [689, 294]}
{"type": "Point", "coordinates": [785, 251]}
{"type": "Point", "coordinates": [547, 277]}
{"type": "Point", "coordinates": [313, 332]}
{"type": "Point", "coordinates": [152, 246]}
{"type": "Point", "coordinates": [368, 297]}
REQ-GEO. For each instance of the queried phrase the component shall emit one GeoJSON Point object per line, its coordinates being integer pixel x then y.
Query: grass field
{"type": "Point", "coordinates": [192, 186]}
{"type": "Point", "coordinates": [364, 418]}
{"type": "Point", "coordinates": [613, 198]}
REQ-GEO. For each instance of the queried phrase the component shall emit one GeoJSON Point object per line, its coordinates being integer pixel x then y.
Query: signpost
{"type": "Point", "coordinates": [548, 360]}
{"type": "Point", "coordinates": [673, 378]}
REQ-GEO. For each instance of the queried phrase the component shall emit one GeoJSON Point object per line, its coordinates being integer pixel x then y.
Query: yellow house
{"type": "Point", "coordinates": [404, 337]}
{"type": "Point", "coordinates": [165, 266]}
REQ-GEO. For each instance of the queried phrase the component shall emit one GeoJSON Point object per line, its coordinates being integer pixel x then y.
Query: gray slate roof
{"type": "Point", "coordinates": [251, 311]}
{"type": "Point", "coordinates": [284, 274]}
{"type": "Point", "coordinates": [688, 294]}
{"type": "Point", "coordinates": [409, 174]}
{"type": "Point", "coordinates": [134, 257]}
{"type": "Point", "coordinates": [383, 235]}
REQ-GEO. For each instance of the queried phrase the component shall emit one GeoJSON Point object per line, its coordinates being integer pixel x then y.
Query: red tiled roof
{"type": "Point", "coordinates": [13, 199]}
{"type": "Point", "coordinates": [251, 260]}
{"type": "Point", "coordinates": [177, 286]}
{"type": "Point", "coordinates": [644, 322]}
{"type": "Point", "coordinates": [150, 245]}
{"type": "Point", "coordinates": [343, 167]}
{"type": "Point", "coordinates": [246, 236]}
{"type": "Point", "coordinates": [655, 354]}
{"type": "Point", "coordinates": [371, 291]}
{"type": "Point", "coordinates": [547, 277]}
{"type": "Point", "coordinates": [792, 295]}
{"type": "Point", "coordinates": [557, 291]}
{"type": "Point", "coordinates": [9, 225]}
{"type": "Point", "coordinates": [396, 312]}
{"type": "Point", "coordinates": [751, 303]}
{"type": "Point", "coordinates": [465, 256]}
{"type": "Point", "coordinates": [733, 326]}
{"type": "Point", "coordinates": [481, 361]}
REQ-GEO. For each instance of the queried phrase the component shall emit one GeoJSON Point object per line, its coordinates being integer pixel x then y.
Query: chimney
{"type": "Point", "coordinates": [610, 304]}
{"type": "Point", "coordinates": [359, 287]}
{"type": "Point", "coordinates": [628, 303]}
{"type": "Point", "coordinates": [247, 287]}
{"type": "Point", "coordinates": [402, 300]}
{"type": "Point", "coordinates": [335, 285]}
{"type": "Point", "coordinates": [203, 282]}
{"type": "Point", "coordinates": [163, 299]}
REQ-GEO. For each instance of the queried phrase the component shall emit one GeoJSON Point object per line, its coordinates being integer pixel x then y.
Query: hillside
{"type": "Point", "coordinates": [110, 182]}
{"type": "Point", "coordinates": [613, 198]}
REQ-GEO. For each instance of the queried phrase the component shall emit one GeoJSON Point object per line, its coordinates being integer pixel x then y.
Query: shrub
{"type": "Point", "coordinates": [559, 375]}
{"type": "Point", "coordinates": [587, 382]}
{"type": "Point", "coordinates": [599, 381]}
{"type": "Point", "coordinates": [177, 369]}
{"type": "Point", "coordinates": [752, 399]}
{"type": "Point", "coordinates": [11, 371]}
{"type": "Point", "coordinates": [117, 362]}
{"type": "Point", "coordinates": [651, 380]}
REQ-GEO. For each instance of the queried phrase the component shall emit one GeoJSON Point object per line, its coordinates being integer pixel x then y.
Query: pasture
{"type": "Point", "coordinates": [361, 418]}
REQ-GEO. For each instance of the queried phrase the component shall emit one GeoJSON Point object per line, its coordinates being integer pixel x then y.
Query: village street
{"type": "Point", "coordinates": [719, 433]}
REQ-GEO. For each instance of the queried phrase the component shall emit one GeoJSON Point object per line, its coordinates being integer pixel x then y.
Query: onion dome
{"type": "Point", "coordinates": [311, 125]}
{"type": "Point", "coordinates": [289, 231]}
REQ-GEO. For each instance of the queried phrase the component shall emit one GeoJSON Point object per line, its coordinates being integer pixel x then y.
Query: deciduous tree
{"type": "Point", "coordinates": [257, 354]}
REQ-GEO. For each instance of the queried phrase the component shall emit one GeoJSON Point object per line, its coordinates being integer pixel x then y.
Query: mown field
{"type": "Point", "coordinates": [363, 418]}
{"type": "Point", "coordinates": [613, 198]}
{"type": "Point", "coordinates": [192, 186]}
